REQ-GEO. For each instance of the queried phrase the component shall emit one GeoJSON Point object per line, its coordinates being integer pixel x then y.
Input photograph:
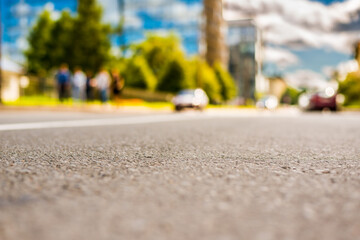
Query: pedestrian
{"type": "Point", "coordinates": [90, 85]}
{"type": "Point", "coordinates": [63, 77]}
{"type": "Point", "coordinates": [102, 83]}
{"type": "Point", "coordinates": [79, 84]}
{"type": "Point", "coordinates": [117, 85]}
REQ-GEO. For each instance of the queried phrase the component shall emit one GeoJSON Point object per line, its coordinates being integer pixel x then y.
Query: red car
{"type": "Point", "coordinates": [319, 100]}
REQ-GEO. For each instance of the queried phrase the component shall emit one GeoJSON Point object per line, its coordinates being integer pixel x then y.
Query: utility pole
{"type": "Point", "coordinates": [214, 24]}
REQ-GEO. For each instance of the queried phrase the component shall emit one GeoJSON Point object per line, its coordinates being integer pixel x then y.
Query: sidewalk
{"type": "Point", "coordinates": [88, 108]}
{"type": "Point", "coordinates": [124, 106]}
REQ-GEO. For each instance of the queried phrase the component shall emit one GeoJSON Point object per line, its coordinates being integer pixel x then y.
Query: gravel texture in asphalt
{"type": "Point", "coordinates": [265, 178]}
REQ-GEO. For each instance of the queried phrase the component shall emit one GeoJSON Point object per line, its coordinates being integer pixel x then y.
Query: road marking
{"type": "Point", "coordinates": [103, 122]}
{"type": "Point", "coordinates": [142, 119]}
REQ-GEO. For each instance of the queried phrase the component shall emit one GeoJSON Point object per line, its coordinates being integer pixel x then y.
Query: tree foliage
{"type": "Point", "coordinates": [139, 75]}
{"type": "Point", "coordinates": [205, 78]}
{"type": "Point", "coordinates": [227, 83]}
{"type": "Point", "coordinates": [158, 51]}
{"type": "Point", "coordinates": [350, 87]}
{"type": "Point", "coordinates": [81, 40]}
{"type": "Point", "coordinates": [60, 44]}
{"type": "Point", "coordinates": [291, 96]}
{"type": "Point", "coordinates": [37, 55]}
{"type": "Point", "coordinates": [175, 76]}
{"type": "Point", "coordinates": [90, 38]}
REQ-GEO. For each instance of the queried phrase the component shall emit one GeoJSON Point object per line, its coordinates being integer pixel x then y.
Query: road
{"type": "Point", "coordinates": [263, 176]}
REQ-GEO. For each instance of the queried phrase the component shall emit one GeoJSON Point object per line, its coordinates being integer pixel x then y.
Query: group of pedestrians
{"type": "Point", "coordinates": [87, 86]}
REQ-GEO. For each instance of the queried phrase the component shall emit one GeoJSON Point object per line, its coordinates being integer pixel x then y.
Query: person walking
{"type": "Point", "coordinates": [63, 77]}
{"type": "Point", "coordinates": [102, 83]}
{"type": "Point", "coordinates": [117, 85]}
{"type": "Point", "coordinates": [79, 84]}
{"type": "Point", "coordinates": [90, 86]}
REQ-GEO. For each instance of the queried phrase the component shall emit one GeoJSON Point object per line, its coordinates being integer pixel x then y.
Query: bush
{"type": "Point", "coordinates": [291, 96]}
{"type": "Point", "coordinates": [227, 83]}
{"type": "Point", "coordinates": [351, 88]}
{"type": "Point", "coordinates": [205, 78]}
{"type": "Point", "coordinates": [158, 51]}
{"type": "Point", "coordinates": [175, 76]}
{"type": "Point", "coordinates": [139, 75]}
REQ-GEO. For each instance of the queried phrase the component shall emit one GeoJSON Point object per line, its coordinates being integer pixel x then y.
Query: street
{"type": "Point", "coordinates": [263, 176]}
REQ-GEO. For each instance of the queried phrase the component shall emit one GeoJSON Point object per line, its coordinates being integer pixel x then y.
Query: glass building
{"type": "Point", "coordinates": [244, 44]}
{"type": "Point", "coordinates": [183, 17]}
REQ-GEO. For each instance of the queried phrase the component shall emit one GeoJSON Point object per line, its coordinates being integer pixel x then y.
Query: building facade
{"type": "Point", "coordinates": [244, 44]}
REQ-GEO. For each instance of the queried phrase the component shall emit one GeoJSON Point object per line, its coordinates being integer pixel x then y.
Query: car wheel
{"type": "Point", "coordinates": [178, 108]}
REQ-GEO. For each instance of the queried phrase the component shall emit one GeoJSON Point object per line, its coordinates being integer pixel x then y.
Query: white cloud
{"type": "Point", "coordinates": [346, 67]}
{"type": "Point", "coordinates": [22, 43]}
{"type": "Point", "coordinates": [281, 57]}
{"type": "Point", "coordinates": [55, 15]}
{"type": "Point", "coordinates": [177, 11]}
{"type": "Point", "coordinates": [328, 71]}
{"type": "Point", "coordinates": [111, 11]}
{"type": "Point", "coordinates": [299, 23]}
{"type": "Point", "coordinates": [132, 20]}
{"type": "Point", "coordinates": [144, 4]}
{"type": "Point", "coordinates": [306, 79]}
{"type": "Point", "coordinates": [49, 6]}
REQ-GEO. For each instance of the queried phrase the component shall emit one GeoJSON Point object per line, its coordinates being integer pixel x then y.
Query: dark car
{"type": "Point", "coordinates": [319, 100]}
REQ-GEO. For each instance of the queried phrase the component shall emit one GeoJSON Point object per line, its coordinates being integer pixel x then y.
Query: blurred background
{"type": "Point", "coordinates": [263, 53]}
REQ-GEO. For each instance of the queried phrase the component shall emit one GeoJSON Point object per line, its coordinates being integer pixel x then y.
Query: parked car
{"type": "Point", "coordinates": [190, 98]}
{"type": "Point", "coordinates": [319, 100]}
{"type": "Point", "coordinates": [269, 102]}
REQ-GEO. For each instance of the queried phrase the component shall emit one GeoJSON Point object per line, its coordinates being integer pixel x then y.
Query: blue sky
{"type": "Point", "coordinates": [327, 2]}
{"type": "Point", "coordinates": [317, 59]}
{"type": "Point", "coordinates": [299, 35]}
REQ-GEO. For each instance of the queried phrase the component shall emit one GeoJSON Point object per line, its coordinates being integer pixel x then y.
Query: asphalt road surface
{"type": "Point", "coordinates": [179, 176]}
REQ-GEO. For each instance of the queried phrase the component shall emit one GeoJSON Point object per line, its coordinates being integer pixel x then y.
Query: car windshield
{"type": "Point", "coordinates": [187, 92]}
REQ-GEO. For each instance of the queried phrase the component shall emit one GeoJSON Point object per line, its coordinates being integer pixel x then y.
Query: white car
{"type": "Point", "coordinates": [269, 102]}
{"type": "Point", "coordinates": [190, 98]}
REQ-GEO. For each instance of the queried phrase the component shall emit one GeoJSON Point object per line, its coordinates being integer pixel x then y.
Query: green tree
{"type": "Point", "coordinates": [60, 42]}
{"type": "Point", "coordinates": [291, 96]}
{"type": "Point", "coordinates": [90, 37]}
{"type": "Point", "coordinates": [350, 87]}
{"type": "Point", "coordinates": [37, 56]}
{"type": "Point", "coordinates": [138, 74]}
{"type": "Point", "coordinates": [175, 76]}
{"type": "Point", "coordinates": [82, 40]}
{"type": "Point", "coordinates": [205, 78]}
{"type": "Point", "coordinates": [227, 83]}
{"type": "Point", "coordinates": [158, 51]}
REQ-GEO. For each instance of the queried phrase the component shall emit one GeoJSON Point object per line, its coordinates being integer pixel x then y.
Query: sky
{"type": "Point", "coordinates": [303, 39]}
